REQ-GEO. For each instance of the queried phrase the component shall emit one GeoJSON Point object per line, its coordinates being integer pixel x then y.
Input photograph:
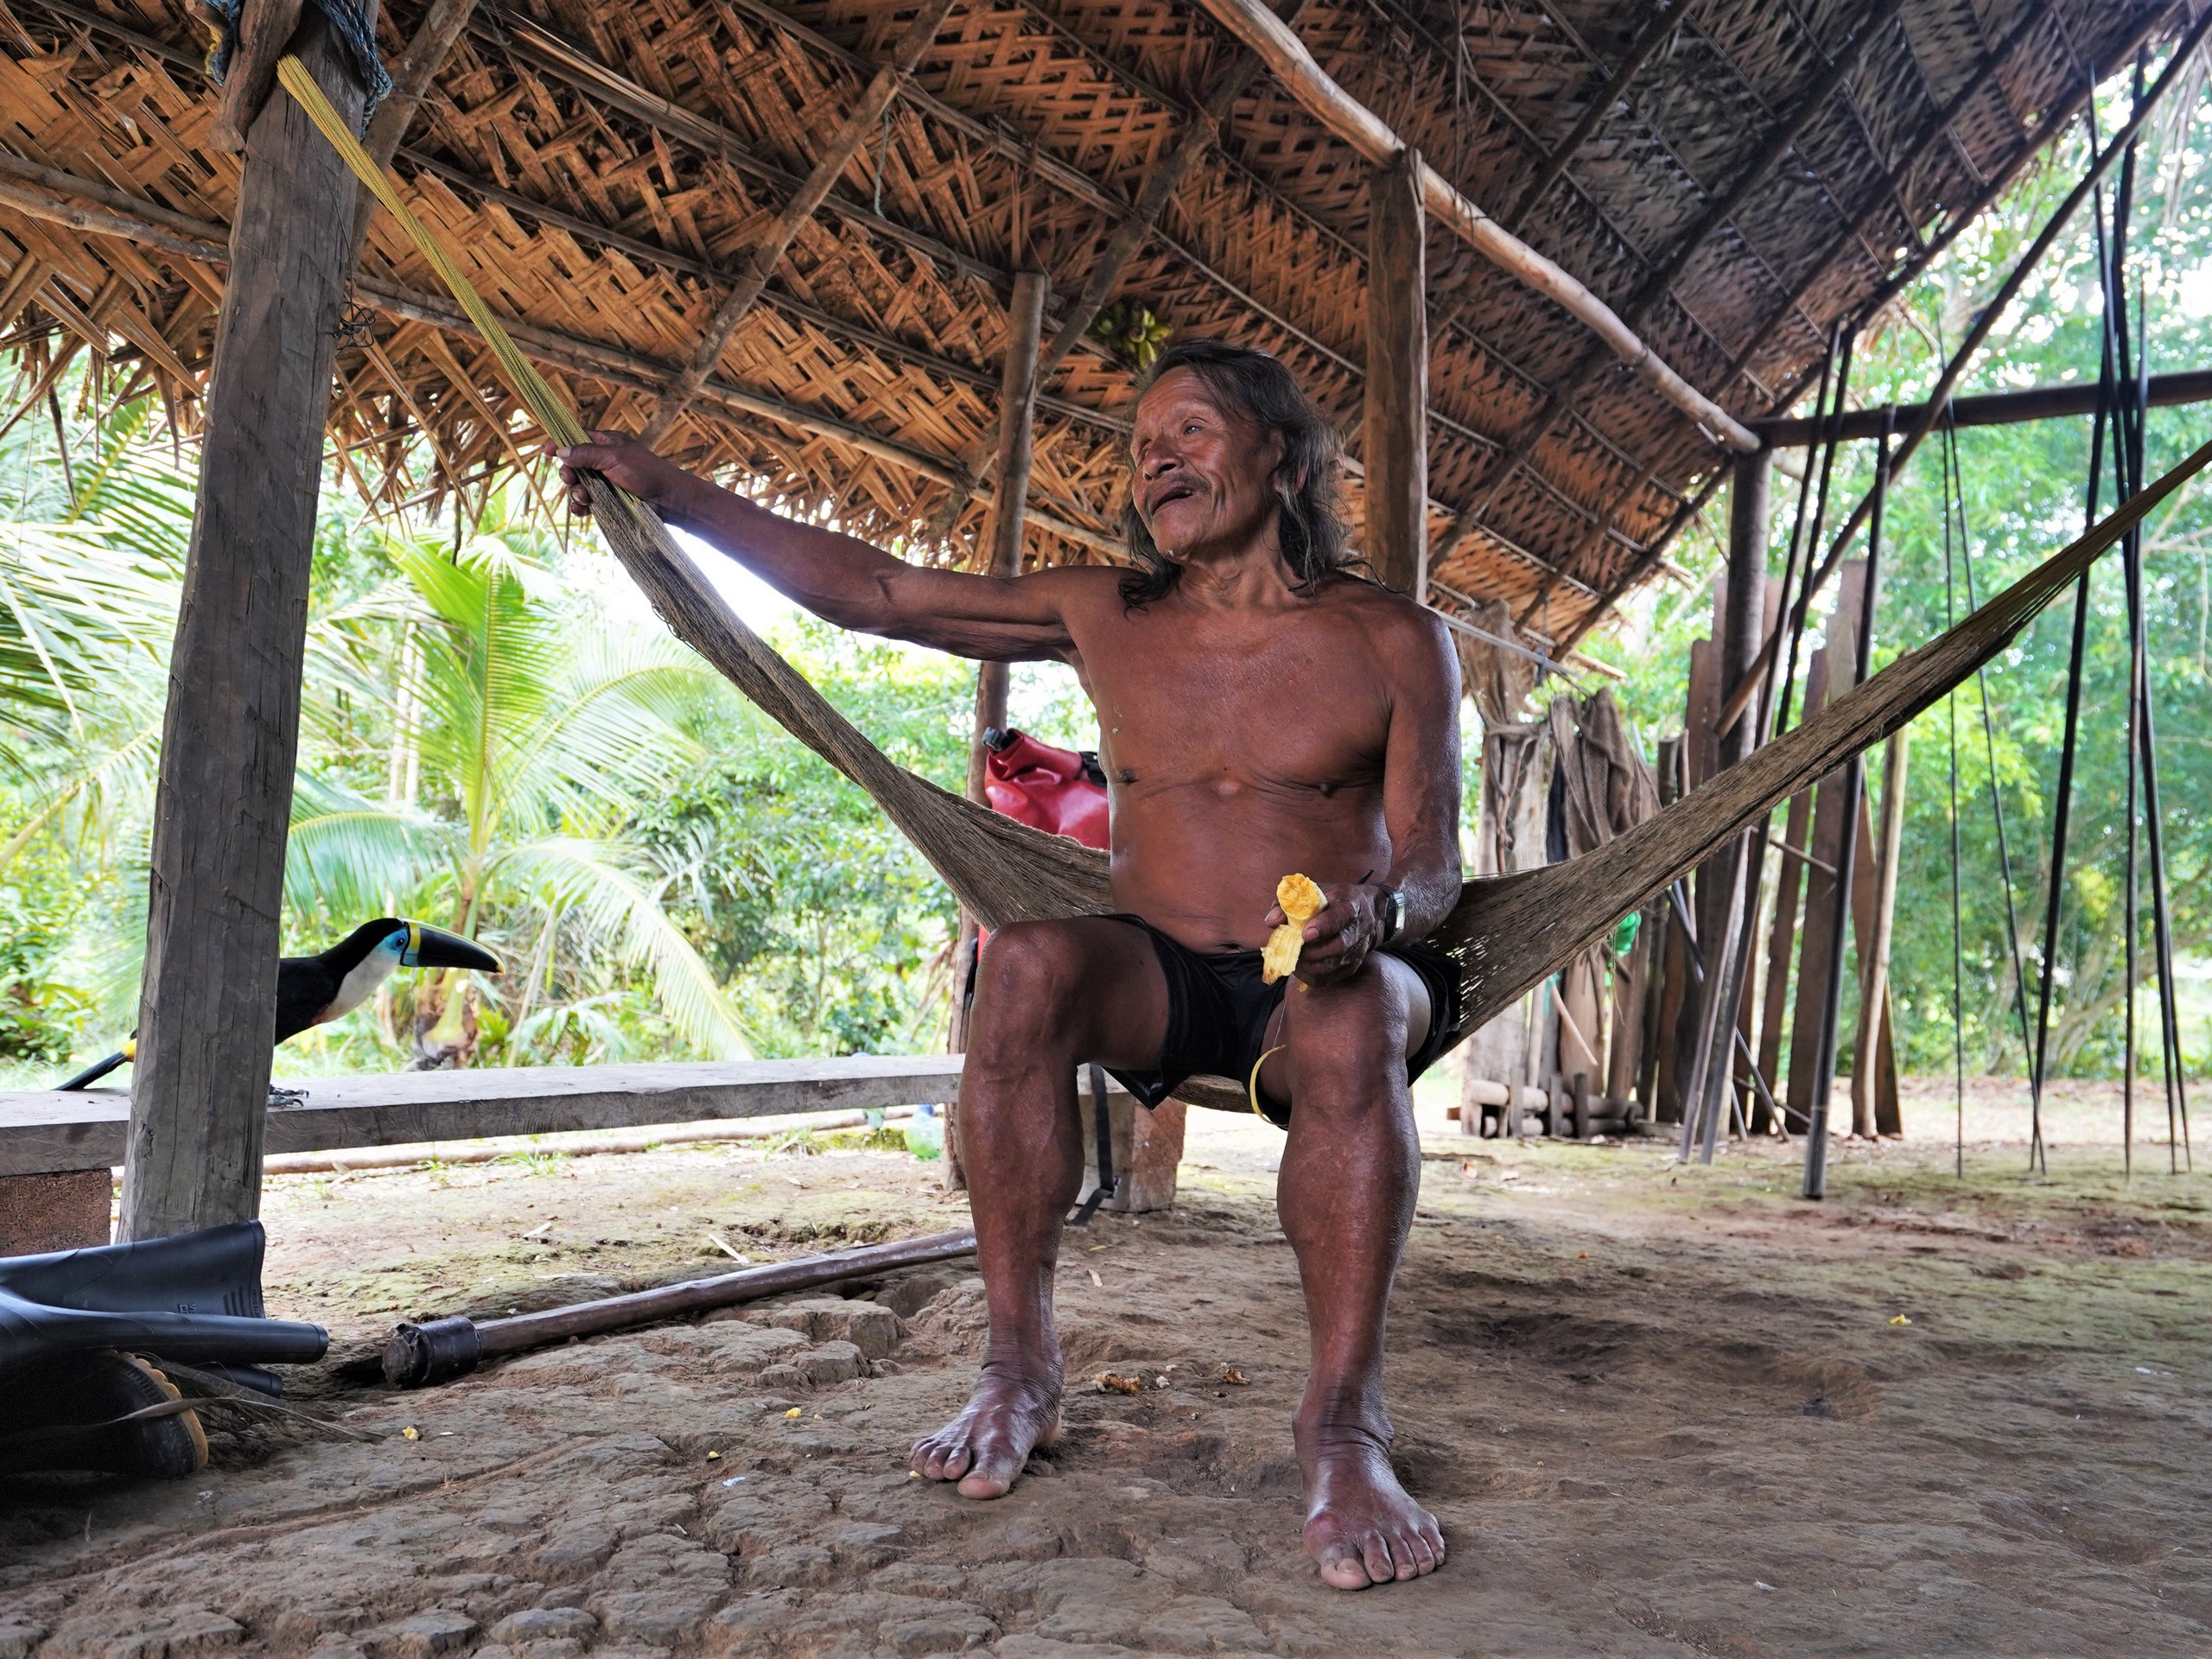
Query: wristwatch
{"type": "Point", "coordinates": [1392, 911]}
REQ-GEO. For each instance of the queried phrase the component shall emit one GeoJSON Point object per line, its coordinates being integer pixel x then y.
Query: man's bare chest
{"type": "Point", "coordinates": [1307, 708]}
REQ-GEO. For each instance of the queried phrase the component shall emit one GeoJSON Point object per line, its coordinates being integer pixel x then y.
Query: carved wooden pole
{"type": "Point", "coordinates": [1017, 438]}
{"type": "Point", "coordinates": [1018, 381]}
{"type": "Point", "coordinates": [1396, 424]}
{"type": "Point", "coordinates": [208, 1014]}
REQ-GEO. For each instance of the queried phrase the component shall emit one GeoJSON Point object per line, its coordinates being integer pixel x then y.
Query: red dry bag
{"type": "Point", "coordinates": [1059, 791]}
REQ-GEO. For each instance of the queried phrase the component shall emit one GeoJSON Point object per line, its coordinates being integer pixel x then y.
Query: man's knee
{"type": "Point", "coordinates": [1352, 1034]}
{"type": "Point", "coordinates": [1031, 968]}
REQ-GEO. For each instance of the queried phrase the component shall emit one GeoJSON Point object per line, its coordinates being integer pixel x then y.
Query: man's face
{"type": "Point", "coordinates": [1202, 470]}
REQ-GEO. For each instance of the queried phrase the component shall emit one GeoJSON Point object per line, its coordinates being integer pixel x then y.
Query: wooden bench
{"type": "Point", "coordinates": [56, 1149]}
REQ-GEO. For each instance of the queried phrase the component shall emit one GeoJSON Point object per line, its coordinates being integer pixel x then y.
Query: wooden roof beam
{"type": "Point", "coordinates": [568, 61]}
{"type": "Point", "coordinates": [548, 52]}
{"type": "Point", "coordinates": [1989, 409]}
{"type": "Point", "coordinates": [1667, 17]}
{"type": "Point", "coordinates": [1984, 76]}
{"type": "Point", "coordinates": [1366, 132]}
{"type": "Point", "coordinates": [761, 262]}
{"type": "Point", "coordinates": [1137, 226]}
{"type": "Point", "coordinates": [633, 371]}
{"type": "Point", "coordinates": [859, 333]}
{"type": "Point", "coordinates": [1774, 146]}
{"type": "Point", "coordinates": [116, 215]}
{"type": "Point", "coordinates": [100, 209]}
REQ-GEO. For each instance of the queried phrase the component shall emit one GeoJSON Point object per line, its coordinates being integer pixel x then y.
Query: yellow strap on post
{"type": "Point", "coordinates": [537, 392]}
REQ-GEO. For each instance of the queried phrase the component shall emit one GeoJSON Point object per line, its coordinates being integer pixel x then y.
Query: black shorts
{"type": "Point", "coordinates": [1218, 1010]}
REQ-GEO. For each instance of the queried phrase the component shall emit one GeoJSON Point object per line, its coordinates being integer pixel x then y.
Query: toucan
{"type": "Point", "coordinates": [314, 990]}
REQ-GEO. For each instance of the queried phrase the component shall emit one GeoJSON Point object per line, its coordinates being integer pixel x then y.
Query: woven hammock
{"type": "Point", "coordinates": [1508, 933]}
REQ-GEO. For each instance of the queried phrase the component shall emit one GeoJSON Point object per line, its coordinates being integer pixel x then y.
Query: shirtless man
{"type": "Point", "coordinates": [1261, 709]}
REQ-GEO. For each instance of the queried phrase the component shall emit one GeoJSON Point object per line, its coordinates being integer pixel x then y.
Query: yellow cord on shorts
{"type": "Point", "coordinates": [1252, 1084]}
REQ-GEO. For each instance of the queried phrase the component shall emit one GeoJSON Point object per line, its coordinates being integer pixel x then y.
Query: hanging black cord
{"type": "Point", "coordinates": [1989, 750]}
{"type": "Point", "coordinates": [2177, 1077]}
{"type": "Point", "coordinates": [2063, 807]}
{"type": "Point", "coordinates": [2128, 453]}
{"type": "Point", "coordinates": [1958, 931]}
{"type": "Point", "coordinates": [1834, 442]}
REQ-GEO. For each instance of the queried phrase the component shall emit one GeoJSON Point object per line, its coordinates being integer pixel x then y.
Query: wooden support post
{"type": "Point", "coordinates": [1396, 443]}
{"type": "Point", "coordinates": [1723, 924]}
{"type": "Point", "coordinates": [1017, 438]}
{"type": "Point", "coordinates": [1017, 380]}
{"type": "Point", "coordinates": [207, 1012]}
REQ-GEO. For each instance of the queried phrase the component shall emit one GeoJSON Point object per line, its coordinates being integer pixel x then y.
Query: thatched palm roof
{"type": "Point", "coordinates": [1732, 176]}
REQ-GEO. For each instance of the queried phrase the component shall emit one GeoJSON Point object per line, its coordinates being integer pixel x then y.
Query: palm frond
{"type": "Point", "coordinates": [587, 876]}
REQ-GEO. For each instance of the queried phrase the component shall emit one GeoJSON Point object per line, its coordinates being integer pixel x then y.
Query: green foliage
{"type": "Point", "coordinates": [828, 927]}
{"type": "Point", "coordinates": [495, 737]}
{"type": "Point", "coordinates": [2024, 489]}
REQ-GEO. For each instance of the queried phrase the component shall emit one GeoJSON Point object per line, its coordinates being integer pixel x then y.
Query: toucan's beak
{"type": "Point", "coordinates": [433, 947]}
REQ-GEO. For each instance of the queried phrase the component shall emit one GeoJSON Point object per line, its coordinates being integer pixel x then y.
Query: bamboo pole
{"type": "Point", "coordinates": [1271, 41]}
{"type": "Point", "coordinates": [420, 1356]}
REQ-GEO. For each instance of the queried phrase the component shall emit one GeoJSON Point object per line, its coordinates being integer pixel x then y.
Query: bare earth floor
{"type": "Point", "coordinates": [1656, 1409]}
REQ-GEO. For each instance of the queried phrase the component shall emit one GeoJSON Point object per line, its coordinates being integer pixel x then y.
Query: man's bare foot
{"type": "Point", "coordinates": [1360, 1525]}
{"type": "Point", "coordinates": [986, 1446]}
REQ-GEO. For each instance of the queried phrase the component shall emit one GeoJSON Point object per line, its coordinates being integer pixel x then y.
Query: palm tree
{"type": "Point", "coordinates": [524, 727]}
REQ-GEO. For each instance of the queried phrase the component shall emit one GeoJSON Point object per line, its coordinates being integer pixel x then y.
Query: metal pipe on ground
{"type": "Point", "coordinates": [437, 1351]}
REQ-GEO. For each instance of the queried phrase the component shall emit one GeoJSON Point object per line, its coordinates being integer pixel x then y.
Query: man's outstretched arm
{"type": "Point", "coordinates": [840, 578]}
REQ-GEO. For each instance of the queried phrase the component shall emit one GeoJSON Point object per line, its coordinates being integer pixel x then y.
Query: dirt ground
{"type": "Point", "coordinates": [1656, 1409]}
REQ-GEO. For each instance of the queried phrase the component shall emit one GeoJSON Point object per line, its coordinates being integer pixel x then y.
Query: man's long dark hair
{"type": "Point", "coordinates": [1255, 385]}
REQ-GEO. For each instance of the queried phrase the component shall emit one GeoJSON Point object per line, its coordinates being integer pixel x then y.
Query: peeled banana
{"type": "Point", "coordinates": [1301, 900]}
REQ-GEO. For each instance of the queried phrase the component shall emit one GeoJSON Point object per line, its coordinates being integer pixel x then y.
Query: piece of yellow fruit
{"type": "Point", "coordinates": [1300, 900]}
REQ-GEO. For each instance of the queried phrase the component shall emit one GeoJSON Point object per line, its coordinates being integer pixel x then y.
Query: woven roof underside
{"type": "Point", "coordinates": [602, 169]}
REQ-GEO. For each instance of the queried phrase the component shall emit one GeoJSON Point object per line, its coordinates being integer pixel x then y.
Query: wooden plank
{"type": "Point", "coordinates": [231, 733]}
{"type": "Point", "coordinates": [1873, 925]}
{"type": "Point", "coordinates": [1863, 896]}
{"type": "Point", "coordinates": [1396, 428]}
{"type": "Point", "coordinates": [45, 1130]}
{"type": "Point", "coordinates": [1788, 885]}
{"type": "Point", "coordinates": [1674, 980]}
{"type": "Point", "coordinates": [1821, 894]}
